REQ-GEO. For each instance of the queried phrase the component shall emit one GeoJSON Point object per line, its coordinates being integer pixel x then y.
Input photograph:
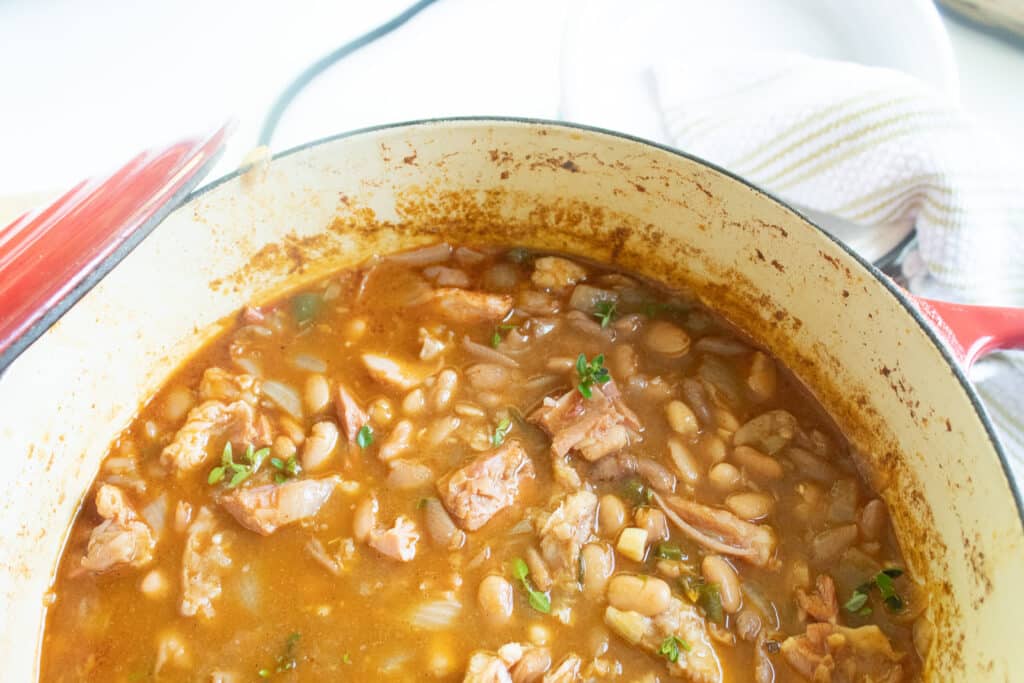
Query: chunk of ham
{"type": "Point", "coordinates": [476, 492]}
{"type": "Point", "coordinates": [594, 427]}
{"type": "Point", "coordinates": [203, 565]}
{"type": "Point", "coordinates": [350, 415]}
{"type": "Point", "coordinates": [485, 667]}
{"type": "Point", "coordinates": [264, 509]}
{"type": "Point", "coordinates": [697, 663]}
{"type": "Point", "coordinates": [121, 539]}
{"type": "Point", "coordinates": [566, 672]}
{"type": "Point", "coordinates": [565, 530]}
{"type": "Point", "coordinates": [218, 384]}
{"type": "Point", "coordinates": [468, 306]}
{"type": "Point", "coordinates": [821, 604]}
{"type": "Point", "coordinates": [188, 449]}
{"type": "Point", "coordinates": [720, 531]}
{"type": "Point", "coordinates": [398, 542]}
{"type": "Point", "coordinates": [555, 273]}
{"type": "Point", "coordinates": [389, 371]}
{"type": "Point", "coordinates": [827, 653]}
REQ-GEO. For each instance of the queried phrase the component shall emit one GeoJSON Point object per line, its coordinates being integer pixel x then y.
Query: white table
{"type": "Point", "coordinates": [86, 85]}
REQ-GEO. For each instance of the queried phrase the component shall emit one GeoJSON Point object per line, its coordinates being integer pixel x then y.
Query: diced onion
{"type": "Point", "coordinates": [435, 253]}
{"type": "Point", "coordinates": [435, 615]}
{"type": "Point", "coordinates": [304, 361]}
{"type": "Point", "coordinates": [155, 514]}
{"type": "Point", "coordinates": [284, 396]}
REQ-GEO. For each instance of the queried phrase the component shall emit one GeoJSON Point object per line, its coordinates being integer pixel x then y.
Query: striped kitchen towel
{"type": "Point", "coordinates": [877, 148]}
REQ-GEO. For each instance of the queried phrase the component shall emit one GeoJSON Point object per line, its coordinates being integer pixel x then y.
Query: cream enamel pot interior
{"type": "Point", "coordinates": [849, 335]}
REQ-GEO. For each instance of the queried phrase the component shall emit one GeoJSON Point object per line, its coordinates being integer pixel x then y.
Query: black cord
{"type": "Point", "coordinates": [313, 70]}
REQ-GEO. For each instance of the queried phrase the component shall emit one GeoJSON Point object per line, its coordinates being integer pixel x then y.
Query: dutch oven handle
{"type": "Point", "coordinates": [973, 331]}
{"type": "Point", "coordinates": [50, 257]}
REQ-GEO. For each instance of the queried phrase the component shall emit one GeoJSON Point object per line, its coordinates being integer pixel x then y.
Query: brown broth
{"type": "Point", "coordinates": [361, 624]}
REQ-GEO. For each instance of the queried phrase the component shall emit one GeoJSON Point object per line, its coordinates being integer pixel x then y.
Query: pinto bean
{"type": "Point", "coordinates": [539, 573]}
{"type": "Point", "coordinates": [647, 595]}
{"type": "Point", "coordinates": [654, 522]}
{"type": "Point", "coordinates": [717, 570]}
{"type": "Point", "coordinates": [364, 520]}
{"type": "Point", "coordinates": [496, 598]}
{"type": "Point", "coordinates": [757, 464]}
{"type": "Point", "coordinates": [762, 377]}
{"type": "Point", "coordinates": [750, 505]}
{"type": "Point", "coordinates": [681, 418]}
{"type": "Point", "coordinates": [665, 338]}
{"type": "Point", "coordinates": [316, 393]}
{"type": "Point", "coordinates": [598, 563]}
{"type": "Point", "coordinates": [612, 515]}
{"type": "Point", "coordinates": [318, 447]}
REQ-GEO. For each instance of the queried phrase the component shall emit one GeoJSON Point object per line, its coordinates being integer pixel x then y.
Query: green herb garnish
{"type": "Point", "coordinates": [286, 661]}
{"type": "Point", "coordinates": [667, 551]}
{"type": "Point", "coordinates": [285, 468]}
{"type": "Point", "coordinates": [710, 600]}
{"type": "Point", "coordinates": [590, 373]}
{"type": "Point", "coordinates": [857, 604]}
{"type": "Point", "coordinates": [605, 312]}
{"type": "Point", "coordinates": [235, 472]}
{"type": "Point", "coordinates": [518, 255]}
{"type": "Point", "coordinates": [670, 648]}
{"type": "Point", "coordinates": [496, 337]}
{"type": "Point", "coordinates": [501, 431]}
{"type": "Point", "coordinates": [636, 491]}
{"type": "Point", "coordinates": [305, 307]}
{"type": "Point", "coordinates": [538, 600]}
{"type": "Point", "coordinates": [364, 437]}
{"type": "Point", "coordinates": [346, 659]}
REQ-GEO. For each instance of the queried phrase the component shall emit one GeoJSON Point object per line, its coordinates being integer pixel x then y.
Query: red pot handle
{"type": "Point", "coordinates": [973, 331]}
{"type": "Point", "coordinates": [50, 257]}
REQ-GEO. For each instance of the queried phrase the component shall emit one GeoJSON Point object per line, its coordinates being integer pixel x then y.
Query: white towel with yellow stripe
{"type": "Point", "coordinates": [877, 148]}
{"type": "Point", "coordinates": [873, 146]}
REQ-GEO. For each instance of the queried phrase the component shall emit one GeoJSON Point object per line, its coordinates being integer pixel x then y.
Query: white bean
{"type": "Point", "coordinates": [444, 389]}
{"type": "Point", "coordinates": [750, 505]}
{"type": "Point", "coordinates": [681, 419]}
{"type": "Point", "coordinates": [496, 598]}
{"type": "Point", "coordinates": [319, 446]}
{"type": "Point", "coordinates": [623, 362]}
{"type": "Point", "coordinates": [665, 338]}
{"type": "Point", "coordinates": [396, 442]}
{"type": "Point", "coordinates": [762, 377]}
{"type": "Point", "coordinates": [872, 519]}
{"type": "Point", "coordinates": [317, 393]}
{"type": "Point", "coordinates": [440, 430]}
{"type": "Point", "coordinates": [381, 412]}
{"type": "Point", "coordinates": [717, 570]}
{"type": "Point", "coordinates": [724, 476]}
{"type": "Point", "coordinates": [647, 595]}
{"type": "Point", "coordinates": [414, 402]}
{"type": "Point", "coordinates": [685, 463]}
{"type": "Point", "coordinates": [757, 464]}
{"type": "Point", "coordinates": [406, 475]}
{"type": "Point", "coordinates": [283, 447]}
{"type": "Point", "coordinates": [177, 403]}
{"type": "Point", "coordinates": [364, 521]}
{"type": "Point", "coordinates": [598, 564]}
{"type": "Point", "coordinates": [654, 522]}
{"type": "Point", "coordinates": [612, 515]}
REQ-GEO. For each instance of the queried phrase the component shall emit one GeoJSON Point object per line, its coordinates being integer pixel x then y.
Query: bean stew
{"type": "Point", "coordinates": [483, 465]}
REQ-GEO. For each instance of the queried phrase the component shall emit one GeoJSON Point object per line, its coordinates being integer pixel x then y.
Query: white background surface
{"type": "Point", "coordinates": [84, 85]}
